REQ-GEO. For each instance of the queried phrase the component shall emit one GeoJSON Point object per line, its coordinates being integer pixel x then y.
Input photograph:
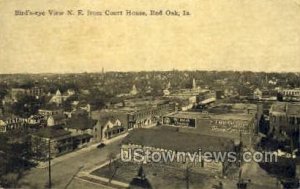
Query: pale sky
{"type": "Point", "coordinates": [256, 35]}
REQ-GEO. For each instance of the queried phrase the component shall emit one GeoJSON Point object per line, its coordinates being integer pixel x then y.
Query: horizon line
{"type": "Point", "coordinates": [137, 71]}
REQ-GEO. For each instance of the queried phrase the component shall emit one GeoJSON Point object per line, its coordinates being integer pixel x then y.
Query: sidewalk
{"type": "Point", "coordinates": [89, 170]}
{"type": "Point", "coordinates": [56, 160]}
{"type": "Point", "coordinates": [85, 175]}
{"type": "Point", "coordinates": [103, 182]}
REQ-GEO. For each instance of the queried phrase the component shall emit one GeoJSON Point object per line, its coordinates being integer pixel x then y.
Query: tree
{"type": "Point", "coordinates": [3, 92]}
{"type": "Point", "coordinates": [14, 160]}
{"type": "Point", "coordinates": [27, 106]}
{"type": "Point", "coordinates": [67, 104]}
{"type": "Point", "coordinates": [113, 166]}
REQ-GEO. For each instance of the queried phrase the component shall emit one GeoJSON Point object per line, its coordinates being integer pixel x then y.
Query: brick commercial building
{"type": "Point", "coordinates": [170, 140]}
{"type": "Point", "coordinates": [284, 118]}
{"type": "Point", "coordinates": [141, 113]}
{"type": "Point", "coordinates": [51, 140]}
{"type": "Point", "coordinates": [234, 126]}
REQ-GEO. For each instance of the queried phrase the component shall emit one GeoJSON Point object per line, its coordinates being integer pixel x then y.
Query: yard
{"type": "Point", "coordinates": [158, 175]}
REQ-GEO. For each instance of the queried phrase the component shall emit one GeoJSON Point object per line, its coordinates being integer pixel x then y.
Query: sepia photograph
{"type": "Point", "coordinates": [136, 94]}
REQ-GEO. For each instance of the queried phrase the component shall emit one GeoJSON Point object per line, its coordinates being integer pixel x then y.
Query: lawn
{"type": "Point", "coordinates": [158, 175]}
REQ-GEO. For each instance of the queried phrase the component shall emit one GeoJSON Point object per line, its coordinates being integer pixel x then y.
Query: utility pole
{"type": "Point", "coordinates": [242, 184]}
{"type": "Point", "coordinates": [187, 177]}
{"type": "Point", "coordinates": [49, 161]}
{"type": "Point", "coordinates": [298, 135]}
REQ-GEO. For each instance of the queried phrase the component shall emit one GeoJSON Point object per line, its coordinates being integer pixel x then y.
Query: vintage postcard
{"type": "Point", "coordinates": [150, 94]}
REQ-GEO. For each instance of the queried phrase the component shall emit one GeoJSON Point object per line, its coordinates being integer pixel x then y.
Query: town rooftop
{"type": "Point", "coordinates": [170, 139]}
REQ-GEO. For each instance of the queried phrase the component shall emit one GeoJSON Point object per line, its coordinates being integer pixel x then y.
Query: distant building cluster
{"type": "Point", "coordinates": [220, 114]}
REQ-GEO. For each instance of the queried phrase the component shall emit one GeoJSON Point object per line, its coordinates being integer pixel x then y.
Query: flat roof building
{"type": "Point", "coordinates": [170, 139]}
{"type": "Point", "coordinates": [239, 126]}
{"type": "Point", "coordinates": [165, 140]}
{"type": "Point", "coordinates": [57, 141]}
{"type": "Point", "coordinates": [142, 112]}
{"type": "Point", "coordinates": [284, 117]}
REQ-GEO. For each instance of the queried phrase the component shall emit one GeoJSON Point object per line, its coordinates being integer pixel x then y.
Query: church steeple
{"type": "Point", "coordinates": [169, 85]}
{"type": "Point", "coordinates": [134, 90]}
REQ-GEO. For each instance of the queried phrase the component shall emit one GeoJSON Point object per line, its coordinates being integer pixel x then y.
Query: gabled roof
{"type": "Point", "coordinates": [106, 119]}
{"type": "Point", "coordinates": [104, 116]}
{"type": "Point", "coordinates": [58, 92]}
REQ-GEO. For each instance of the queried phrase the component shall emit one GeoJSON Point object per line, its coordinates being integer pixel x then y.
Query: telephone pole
{"type": "Point", "coordinates": [49, 161]}
{"type": "Point", "coordinates": [187, 177]}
